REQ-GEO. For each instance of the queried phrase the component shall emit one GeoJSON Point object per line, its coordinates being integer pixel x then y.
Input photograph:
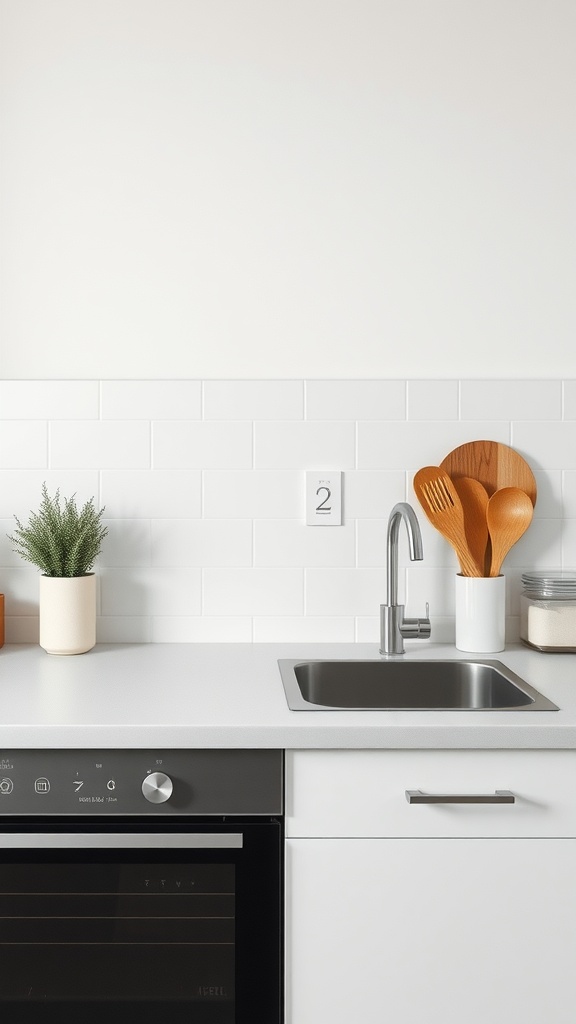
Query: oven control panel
{"type": "Point", "coordinates": [167, 782]}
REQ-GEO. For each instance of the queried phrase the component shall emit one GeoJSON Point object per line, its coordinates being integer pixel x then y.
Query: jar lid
{"type": "Point", "coordinates": [550, 584]}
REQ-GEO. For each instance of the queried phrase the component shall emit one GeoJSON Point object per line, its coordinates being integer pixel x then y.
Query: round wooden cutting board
{"type": "Point", "coordinates": [495, 465]}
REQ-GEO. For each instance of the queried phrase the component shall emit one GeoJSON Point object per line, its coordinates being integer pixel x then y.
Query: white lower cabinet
{"type": "Point", "coordinates": [428, 926]}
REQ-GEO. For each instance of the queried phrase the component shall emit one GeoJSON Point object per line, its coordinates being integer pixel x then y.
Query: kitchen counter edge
{"type": "Point", "coordinates": [168, 696]}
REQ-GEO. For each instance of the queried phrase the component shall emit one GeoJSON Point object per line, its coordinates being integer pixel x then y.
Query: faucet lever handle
{"type": "Point", "coordinates": [417, 629]}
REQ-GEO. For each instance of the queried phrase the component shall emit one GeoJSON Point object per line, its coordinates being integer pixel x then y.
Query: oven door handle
{"type": "Point", "coordinates": [122, 840]}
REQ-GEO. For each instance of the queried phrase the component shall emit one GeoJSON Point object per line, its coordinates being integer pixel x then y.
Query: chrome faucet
{"type": "Point", "coordinates": [394, 628]}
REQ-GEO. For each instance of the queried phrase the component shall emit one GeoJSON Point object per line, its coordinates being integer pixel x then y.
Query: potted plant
{"type": "Point", "coordinates": [64, 543]}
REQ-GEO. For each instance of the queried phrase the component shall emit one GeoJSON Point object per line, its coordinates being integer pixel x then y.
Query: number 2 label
{"type": "Point", "coordinates": [324, 498]}
{"type": "Point", "coordinates": [323, 508]}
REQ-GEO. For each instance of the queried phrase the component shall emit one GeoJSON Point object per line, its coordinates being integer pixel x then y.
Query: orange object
{"type": "Point", "coordinates": [508, 514]}
{"type": "Point", "coordinates": [440, 501]}
{"type": "Point", "coordinates": [495, 465]}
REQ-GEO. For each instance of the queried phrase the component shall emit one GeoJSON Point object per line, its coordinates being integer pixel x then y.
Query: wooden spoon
{"type": "Point", "coordinates": [509, 514]}
{"type": "Point", "coordinates": [474, 498]}
{"type": "Point", "coordinates": [443, 508]}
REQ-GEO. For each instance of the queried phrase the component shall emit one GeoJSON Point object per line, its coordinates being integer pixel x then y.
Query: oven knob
{"type": "Point", "coordinates": [157, 788]}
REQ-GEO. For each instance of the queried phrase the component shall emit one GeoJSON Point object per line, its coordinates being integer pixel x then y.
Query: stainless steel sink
{"type": "Point", "coordinates": [407, 686]}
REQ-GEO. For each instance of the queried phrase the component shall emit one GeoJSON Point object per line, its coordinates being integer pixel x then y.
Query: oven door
{"type": "Point", "coordinates": [108, 921]}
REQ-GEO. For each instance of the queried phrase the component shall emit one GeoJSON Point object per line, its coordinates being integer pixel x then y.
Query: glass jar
{"type": "Point", "coordinates": [548, 611]}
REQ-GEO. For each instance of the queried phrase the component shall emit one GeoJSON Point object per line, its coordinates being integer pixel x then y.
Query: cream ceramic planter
{"type": "Point", "coordinates": [68, 613]}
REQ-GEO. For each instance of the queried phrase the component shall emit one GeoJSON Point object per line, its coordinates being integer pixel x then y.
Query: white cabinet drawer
{"type": "Point", "coordinates": [363, 793]}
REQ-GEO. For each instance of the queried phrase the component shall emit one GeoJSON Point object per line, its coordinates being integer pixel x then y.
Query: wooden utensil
{"type": "Point", "coordinates": [495, 465]}
{"type": "Point", "coordinates": [443, 508]}
{"type": "Point", "coordinates": [509, 514]}
{"type": "Point", "coordinates": [474, 498]}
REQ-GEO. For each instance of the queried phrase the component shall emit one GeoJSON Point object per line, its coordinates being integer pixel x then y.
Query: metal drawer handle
{"type": "Point", "coordinates": [120, 840]}
{"type": "Point", "coordinates": [501, 796]}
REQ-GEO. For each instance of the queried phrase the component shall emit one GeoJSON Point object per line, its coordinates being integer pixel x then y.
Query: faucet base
{"type": "Point", "coordinates": [394, 629]}
{"type": "Point", "coordinates": [391, 638]}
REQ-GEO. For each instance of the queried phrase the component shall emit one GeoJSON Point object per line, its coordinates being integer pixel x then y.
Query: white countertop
{"type": "Point", "coordinates": [231, 695]}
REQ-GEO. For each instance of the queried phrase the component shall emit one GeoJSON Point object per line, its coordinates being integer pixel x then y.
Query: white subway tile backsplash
{"type": "Point", "coordinates": [569, 494]}
{"type": "Point", "coordinates": [20, 586]}
{"type": "Point", "coordinates": [201, 629]}
{"type": "Point", "coordinates": [286, 542]}
{"type": "Point", "coordinates": [8, 557]}
{"type": "Point", "coordinates": [265, 493]}
{"type": "Point", "coordinates": [355, 400]}
{"type": "Point", "coordinates": [253, 399]}
{"type": "Point", "coordinates": [127, 543]}
{"type": "Point", "coordinates": [202, 542]}
{"type": "Point", "coordinates": [254, 591]}
{"type": "Point", "coordinates": [368, 630]}
{"type": "Point", "coordinates": [344, 591]}
{"type": "Point", "coordinates": [546, 445]}
{"type": "Point", "coordinates": [548, 494]}
{"type": "Point", "coordinates": [151, 399]}
{"type": "Point", "coordinates": [540, 547]}
{"type": "Point", "coordinates": [511, 400]}
{"type": "Point", "coordinates": [372, 493]}
{"type": "Point", "coordinates": [123, 629]}
{"type": "Point", "coordinates": [307, 445]}
{"type": "Point", "coordinates": [139, 591]}
{"type": "Point", "coordinates": [513, 590]}
{"type": "Point", "coordinates": [49, 399]}
{"type": "Point", "coordinates": [432, 400]}
{"type": "Point", "coordinates": [304, 629]}
{"type": "Point", "coordinates": [147, 494]}
{"type": "Point", "coordinates": [371, 544]}
{"type": "Point", "coordinates": [22, 629]}
{"type": "Point", "coordinates": [569, 544]}
{"type": "Point", "coordinates": [23, 444]}
{"type": "Point", "coordinates": [569, 391]}
{"type": "Point", "coordinates": [183, 445]}
{"type": "Point", "coordinates": [203, 484]}
{"type": "Point", "coordinates": [103, 444]}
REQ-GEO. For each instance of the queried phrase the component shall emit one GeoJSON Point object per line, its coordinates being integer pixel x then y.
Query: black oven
{"type": "Point", "coordinates": [141, 885]}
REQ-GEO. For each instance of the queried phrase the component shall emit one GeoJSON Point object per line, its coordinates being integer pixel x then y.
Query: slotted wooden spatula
{"type": "Point", "coordinates": [443, 508]}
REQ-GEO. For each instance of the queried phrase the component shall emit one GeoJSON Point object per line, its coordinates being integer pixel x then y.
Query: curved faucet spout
{"type": "Point", "coordinates": [401, 511]}
{"type": "Point", "coordinates": [393, 625]}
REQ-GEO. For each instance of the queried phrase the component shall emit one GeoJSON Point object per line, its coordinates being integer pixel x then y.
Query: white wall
{"type": "Point", "coordinates": [287, 188]}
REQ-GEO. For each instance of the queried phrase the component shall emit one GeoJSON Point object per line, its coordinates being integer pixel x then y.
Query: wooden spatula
{"type": "Point", "coordinates": [474, 498]}
{"type": "Point", "coordinates": [443, 508]}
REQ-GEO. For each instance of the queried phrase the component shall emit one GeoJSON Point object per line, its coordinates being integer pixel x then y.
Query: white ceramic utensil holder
{"type": "Point", "coordinates": [480, 613]}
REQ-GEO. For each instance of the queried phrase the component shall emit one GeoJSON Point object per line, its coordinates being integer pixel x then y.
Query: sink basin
{"type": "Point", "coordinates": [407, 686]}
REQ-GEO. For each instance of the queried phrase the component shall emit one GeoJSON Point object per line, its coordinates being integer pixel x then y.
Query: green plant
{"type": "Point", "coordinates": [61, 541]}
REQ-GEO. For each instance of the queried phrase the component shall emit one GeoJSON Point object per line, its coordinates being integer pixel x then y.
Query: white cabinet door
{"type": "Point", "coordinates": [442, 931]}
